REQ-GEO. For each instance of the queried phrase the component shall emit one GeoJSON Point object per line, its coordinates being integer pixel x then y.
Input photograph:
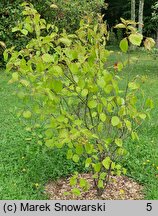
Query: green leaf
{"type": "Point", "coordinates": [104, 101]}
{"type": "Point", "coordinates": [142, 116]}
{"type": "Point", "coordinates": [69, 154]}
{"type": "Point", "coordinates": [124, 45]}
{"type": "Point", "coordinates": [120, 25]}
{"type": "Point", "coordinates": [101, 83]}
{"type": "Point", "coordinates": [100, 184]}
{"type": "Point", "coordinates": [118, 142]}
{"type": "Point", "coordinates": [76, 191]}
{"type": "Point", "coordinates": [124, 171]}
{"type": "Point", "coordinates": [24, 82]}
{"type": "Point", "coordinates": [97, 167]}
{"type": "Point", "coordinates": [88, 162]}
{"type": "Point", "coordinates": [136, 39]}
{"type": "Point", "coordinates": [84, 92]}
{"type": "Point", "coordinates": [15, 29]}
{"type": "Point", "coordinates": [28, 27]}
{"type": "Point", "coordinates": [108, 89]}
{"type": "Point", "coordinates": [49, 143]}
{"type": "Point", "coordinates": [106, 162]}
{"type": "Point", "coordinates": [100, 126]}
{"type": "Point", "coordinates": [133, 85]}
{"type": "Point", "coordinates": [102, 175]}
{"type": "Point", "coordinates": [47, 58]}
{"type": "Point", "coordinates": [115, 121]}
{"type": "Point", "coordinates": [120, 66]}
{"type": "Point", "coordinates": [134, 135]}
{"type": "Point", "coordinates": [123, 21]}
{"type": "Point", "coordinates": [79, 149]}
{"type": "Point", "coordinates": [92, 104]}
{"type": "Point", "coordinates": [102, 117]}
{"type": "Point", "coordinates": [75, 158]}
{"type": "Point", "coordinates": [128, 124]}
{"type": "Point", "coordinates": [5, 55]}
{"type": "Point", "coordinates": [49, 133]}
{"type": "Point", "coordinates": [24, 31]}
{"type": "Point", "coordinates": [15, 76]}
{"type": "Point", "coordinates": [27, 114]}
{"type": "Point", "coordinates": [89, 148]}
{"type": "Point", "coordinates": [100, 108]}
{"type": "Point", "coordinates": [54, 6]}
{"type": "Point", "coordinates": [74, 68]}
{"type": "Point", "coordinates": [149, 103]}
{"type": "Point", "coordinates": [73, 181]}
{"type": "Point", "coordinates": [83, 182]}
{"type": "Point", "coordinates": [57, 70]}
{"type": "Point", "coordinates": [57, 85]}
{"type": "Point", "coordinates": [65, 41]}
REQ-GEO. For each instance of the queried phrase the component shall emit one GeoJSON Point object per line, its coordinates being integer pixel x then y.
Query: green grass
{"type": "Point", "coordinates": [23, 163]}
{"type": "Point", "coordinates": [142, 161]}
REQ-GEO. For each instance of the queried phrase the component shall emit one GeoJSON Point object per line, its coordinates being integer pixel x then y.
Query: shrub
{"type": "Point", "coordinates": [77, 97]}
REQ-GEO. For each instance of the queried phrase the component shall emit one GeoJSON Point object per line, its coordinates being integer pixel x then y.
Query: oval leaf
{"type": "Point", "coordinates": [136, 39]}
{"type": "Point", "coordinates": [124, 45]}
{"type": "Point", "coordinates": [92, 104]}
{"type": "Point", "coordinates": [47, 58]}
{"type": "Point", "coordinates": [115, 121]}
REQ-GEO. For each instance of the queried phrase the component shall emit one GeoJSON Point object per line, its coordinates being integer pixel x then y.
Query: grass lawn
{"type": "Point", "coordinates": [25, 166]}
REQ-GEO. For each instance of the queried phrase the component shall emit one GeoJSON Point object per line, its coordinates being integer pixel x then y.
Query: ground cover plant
{"type": "Point", "coordinates": [76, 96]}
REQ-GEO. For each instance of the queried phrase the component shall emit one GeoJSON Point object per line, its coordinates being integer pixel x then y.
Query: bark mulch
{"type": "Point", "coordinates": [119, 188]}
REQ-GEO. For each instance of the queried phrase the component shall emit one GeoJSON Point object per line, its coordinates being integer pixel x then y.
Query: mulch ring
{"type": "Point", "coordinates": [119, 188]}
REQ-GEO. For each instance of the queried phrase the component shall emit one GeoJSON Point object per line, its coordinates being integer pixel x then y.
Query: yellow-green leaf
{"type": "Point", "coordinates": [133, 85]}
{"type": "Point", "coordinates": [102, 117]}
{"type": "Point", "coordinates": [76, 191]}
{"type": "Point", "coordinates": [73, 181]}
{"type": "Point", "coordinates": [54, 6]}
{"type": "Point", "coordinates": [88, 162]}
{"type": "Point", "coordinates": [92, 104]}
{"type": "Point", "coordinates": [115, 121]}
{"type": "Point", "coordinates": [136, 39]}
{"type": "Point", "coordinates": [124, 45]}
{"type": "Point", "coordinates": [118, 142]}
{"type": "Point", "coordinates": [15, 76]}
{"type": "Point", "coordinates": [106, 162]}
{"type": "Point", "coordinates": [24, 31]}
{"type": "Point", "coordinates": [120, 25]}
{"type": "Point", "coordinates": [75, 158]}
{"type": "Point", "coordinates": [142, 115]}
{"type": "Point", "coordinates": [79, 149]}
{"type": "Point", "coordinates": [65, 41]}
{"type": "Point", "coordinates": [83, 183]}
{"type": "Point", "coordinates": [27, 114]}
{"type": "Point", "coordinates": [128, 124]}
{"type": "Point", "coordinates": [100, 184]}
{"type": "Point", "coordinates": [84, 92]}
{"type": "Point", "coordinates": [97, 167]}
{"type": "Point", "coordinates": [69, 154]}
{"type": "Point", "coordinates": [47, 58]}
